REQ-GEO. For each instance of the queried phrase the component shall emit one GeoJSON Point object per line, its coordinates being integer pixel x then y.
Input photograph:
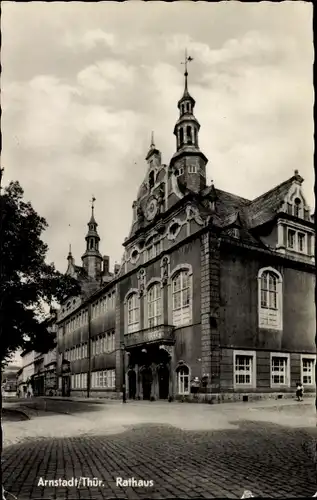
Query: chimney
{"type": "Point", "coordinates": [105, 270]}
{"type": "Point", "coordinates": [116, 268]}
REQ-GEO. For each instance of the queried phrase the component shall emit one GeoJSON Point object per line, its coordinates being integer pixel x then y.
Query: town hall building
{"type": "Point", "coordinates": [214, 297]}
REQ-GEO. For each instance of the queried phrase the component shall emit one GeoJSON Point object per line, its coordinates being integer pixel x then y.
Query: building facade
{"type": "Point", "coordinates": [214, 297]}
{"type": "Point", "coordinates": [38, 374]}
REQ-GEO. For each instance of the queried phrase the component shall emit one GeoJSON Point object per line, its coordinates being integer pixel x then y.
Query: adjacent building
{"type": "Point", "coordinates": [214, 297]}
{"type": "Point", "coordinates": [38, 374]}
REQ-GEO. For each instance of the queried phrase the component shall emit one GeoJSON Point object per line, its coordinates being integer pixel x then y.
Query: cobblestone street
{"type": "Point", "coordinates": [211, 452]}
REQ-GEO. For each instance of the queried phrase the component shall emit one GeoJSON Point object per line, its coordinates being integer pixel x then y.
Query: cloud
{"type": "Point", "coordinates": [106, 75]}
{"type": "Point", "coordinates": [88, 40]}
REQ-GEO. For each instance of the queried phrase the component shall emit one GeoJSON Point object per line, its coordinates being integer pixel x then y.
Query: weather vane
{"type": "Point", "coordinates": [93, 199]}
{"type": "Point", "coordinates": [186, 61]}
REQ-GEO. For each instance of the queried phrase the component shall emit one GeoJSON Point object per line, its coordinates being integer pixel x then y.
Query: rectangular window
{"type": "Point", "coordinates": [291, 238]}
{"type": "Point", "coordinates": [301, 242]}
{"type": "Point", "coordinates": [308, 370]}
{"type": "Point", "coordinates": [243, 369]}
{"type": "Point", "coordinates": [279, 370]}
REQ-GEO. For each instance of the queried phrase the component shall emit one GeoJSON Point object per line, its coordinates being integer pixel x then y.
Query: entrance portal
{"type": "Point", "coordinates": [163, 380]}
{"type": "Point", "coordinates": [147, 383]}
{"type": "Point", "coordinates": [132, 384]}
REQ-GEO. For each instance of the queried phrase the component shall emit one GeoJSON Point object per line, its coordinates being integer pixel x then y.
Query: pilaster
{"type": "Point", "coordinates": [119, 338]}
{"type": "Point", "coordinates": [210, 302]}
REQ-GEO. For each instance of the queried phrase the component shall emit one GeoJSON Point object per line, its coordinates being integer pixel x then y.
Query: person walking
{"type": "Point", "coordinates": [299, 391]}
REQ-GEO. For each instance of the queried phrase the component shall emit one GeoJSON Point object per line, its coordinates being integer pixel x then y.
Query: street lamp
{"type": "Point", "coordinates": [124, 399]}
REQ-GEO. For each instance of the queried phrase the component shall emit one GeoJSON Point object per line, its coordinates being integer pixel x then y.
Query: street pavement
{"type": "Point", "coordinates": [185, 450]}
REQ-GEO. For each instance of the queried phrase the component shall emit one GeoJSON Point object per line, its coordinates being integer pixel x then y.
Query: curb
{"type": "Point", "coordinates": [18, 410]}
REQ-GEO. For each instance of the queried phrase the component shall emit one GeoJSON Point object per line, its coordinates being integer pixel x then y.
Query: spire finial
{"type": "Point", "coordinates": [70, 248]}
{"type": "Point", "coordinates": [152, 146]}
{"type": "Point", "coordinates": [93, 199]}
{"type": "Point", "coordinates": [186, 61]}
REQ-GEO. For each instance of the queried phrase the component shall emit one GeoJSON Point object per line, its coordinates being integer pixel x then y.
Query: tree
{"type": "Point", "coordinates": [27, 282]}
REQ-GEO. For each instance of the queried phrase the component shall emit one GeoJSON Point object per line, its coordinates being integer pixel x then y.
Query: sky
{"type": "Point", "coordinates": [84, 84]}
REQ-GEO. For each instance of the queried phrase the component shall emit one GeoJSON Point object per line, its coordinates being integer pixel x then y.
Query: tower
{"type": "Point", "coordinates": [188, 163]}
{"type": "Point", "coordinates": [153, 159]}
{"type": "Point", "coordinates": [92, 258]}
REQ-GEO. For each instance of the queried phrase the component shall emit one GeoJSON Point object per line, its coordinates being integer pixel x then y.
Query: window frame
{"type": "Point", "coordinates": [180, 379]}
{"type": "Point", "coordinates": [182, 315]}
{"type": "Point", "coordinates": [156, 303]}
{"type": "Point", "coordinates": [253, 370]}
{"type": "Point", "coordinates": [270, 318]}
{"type": "Point", "coordinates": [287, 382]}
{"type": "Point", "coordinates": [132, 326]}
{"type": "Point", "coordinates": [310, 357]}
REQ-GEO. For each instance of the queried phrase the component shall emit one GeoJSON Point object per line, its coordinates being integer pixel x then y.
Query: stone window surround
{"type": "Point", "coordinates": [279, 299]}
{"type": "Point", "coordinates": [149, 284]}
{"type": "Point", "coordinates": [308, 357]}
{"type": "Point", "coordinates": [132, 291]}
{"type": "Point", "coordinates": [249, 354]}
{"type": "Point", "coordinates": [286, 356]}
{"type": "Point", "coordinates": [172, 275]}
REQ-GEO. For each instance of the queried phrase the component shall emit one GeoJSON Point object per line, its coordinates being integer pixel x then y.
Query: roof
{"type": "Point", "coordinates": [264, 208]}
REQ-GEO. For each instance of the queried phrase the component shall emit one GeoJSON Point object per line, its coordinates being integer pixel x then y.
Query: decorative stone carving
{"type": "Point", "coordinates": [164, 273]}
{"type": "Point", "coordinates": [141, 281]}
{"type": "Point", "coordinates": [193, 213]}
{"type": "Point", "coordinates": [161, 199]}
{"type": "Point", "coordinates": [167, 348]}
{"type": "Point", "coordinates": [140, 214]}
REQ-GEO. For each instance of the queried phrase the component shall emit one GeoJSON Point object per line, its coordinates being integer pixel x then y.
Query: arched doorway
{"type": "Point", "coordinates": [147, 379]}
{"type": "Point", "coordinates": [163, 380]}
{"type": "Point", "coordinates": [132, 383]}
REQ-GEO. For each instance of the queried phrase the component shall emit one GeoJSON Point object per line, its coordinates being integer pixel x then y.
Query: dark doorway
{"type": "Point", "coordinates": [66, 386]}
{"type": "Point", "coordinates": [163, 379]}
{"type": "Point", "coordinates": [132, 384]}
{"type": "Point", "coordinates": [147, 383]}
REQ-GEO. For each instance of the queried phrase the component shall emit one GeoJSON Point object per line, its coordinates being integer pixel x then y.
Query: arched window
{"type": "Point", "coordinates": [154, 305]}
{"type": "Point", "coordinates": [181, 301]}
{"type": "Point", "coordinates": [270, 299]}
{"type": "Point", "coordinates": [133, 313]}
{"type": "Point", "coordinates": [181, 136]}
{"type": "Point", "coordinates": [182, 379]}
{"type": "Point", "coordinates": [91, 244]}
{"type": "Point", "coordinates": [269, 290]}
{"type": "Point", "coordinates": [189, 134]}
{"type": "Point", "coordinates": [297, 207]}
{"type": "Point", "coordinates": [151, 180]}
{"type": "Point", "coordinates": [188, 107]}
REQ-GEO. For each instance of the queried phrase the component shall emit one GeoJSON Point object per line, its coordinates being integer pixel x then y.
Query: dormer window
{"type": "Point", "coordinates": [297, 207]}
{"type": "Point", "coordinates": [291, 238]}
{"type": "Point", "coordinates": [297, 241]}
{"type": "Point", "coordinates": [301, 240]}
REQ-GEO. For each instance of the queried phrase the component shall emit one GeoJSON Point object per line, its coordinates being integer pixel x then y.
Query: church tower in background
{"type": "Point", "coordinates": [92, 258]}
